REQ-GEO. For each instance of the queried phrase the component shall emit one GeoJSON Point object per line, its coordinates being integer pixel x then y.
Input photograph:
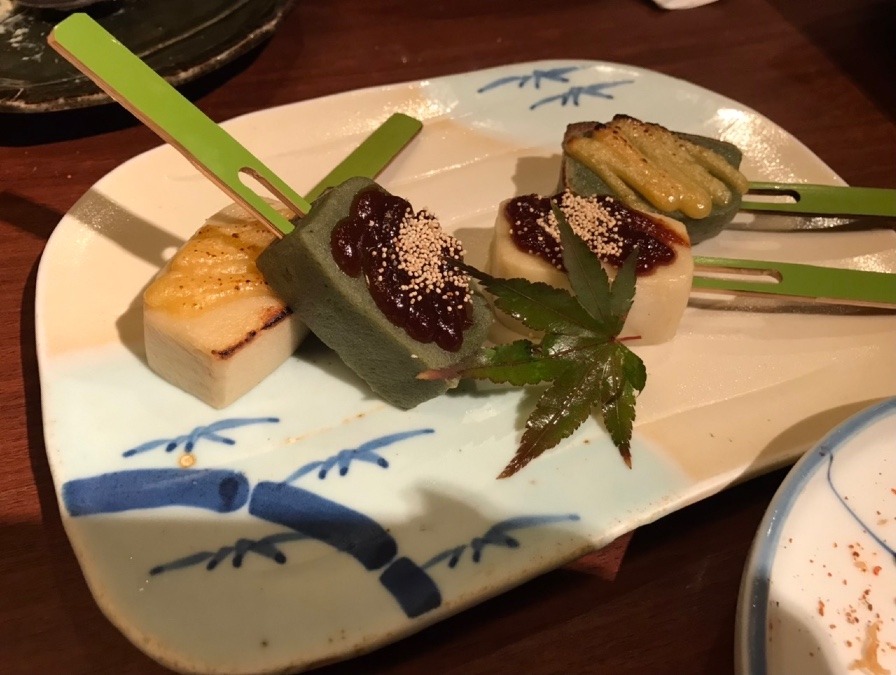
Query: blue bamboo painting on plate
{"type": "Point", "coordinates": [305, 514]}
{"type": "Point", "coordinates": [571, 95]}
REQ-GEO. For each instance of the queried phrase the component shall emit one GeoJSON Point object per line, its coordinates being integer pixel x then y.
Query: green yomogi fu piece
{"type": "Point", "coordinates": [693, 179]}
{"type": "Point", "coordinates": [368, 276]}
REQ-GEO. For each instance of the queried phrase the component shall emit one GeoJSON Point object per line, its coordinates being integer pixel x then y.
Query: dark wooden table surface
{"type": "Point", "coordinates": [660, 601]}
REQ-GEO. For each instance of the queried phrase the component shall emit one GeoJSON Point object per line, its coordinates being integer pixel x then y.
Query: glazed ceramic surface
{"type": "Point", "coordinates": [179, 40]}
{"type": "Point", "coordinates": [817, 594]}
{"type": "Point", "coordinates": [309, 521]}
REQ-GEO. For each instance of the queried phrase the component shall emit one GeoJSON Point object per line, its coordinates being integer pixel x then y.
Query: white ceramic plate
{"type": "Point", "coordinates": [232, 541]}
{"type": "Point", "coordinates": [818, 588]}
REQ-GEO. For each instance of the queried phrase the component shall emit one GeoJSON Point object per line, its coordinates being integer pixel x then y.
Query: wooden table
{"type": "Point", "coordinates": [661, 601]}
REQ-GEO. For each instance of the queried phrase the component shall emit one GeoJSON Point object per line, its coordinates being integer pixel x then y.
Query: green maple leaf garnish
{"type": "Point", "coordinates": [580, 355]}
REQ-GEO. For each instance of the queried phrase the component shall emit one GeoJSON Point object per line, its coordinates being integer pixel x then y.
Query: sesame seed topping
{"type": "Point", "coordinates": [590, 219]}
{"type": "Point", "coordinates": [609, 228]}
{"type": "Point", "coordinates": [404, 255]}
{"type": "Point", "coordinates": [419, 250]}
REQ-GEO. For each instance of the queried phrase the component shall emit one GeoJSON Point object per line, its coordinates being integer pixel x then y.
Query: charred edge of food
{"type": "Point", "coordinates": [611, 230]}
{"type": "Point", "coordinates": [276, 316]}
{"type": "Point", "coordinates": [401, 255]}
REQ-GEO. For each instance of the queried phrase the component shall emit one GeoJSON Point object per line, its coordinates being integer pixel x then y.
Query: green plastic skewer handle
{"type": "Point", "coordinates": [798, 280]}
{"type": "Point", "coordinates": [828, 200]}
{"type": "Point", "coordinates": [128, 80]}
{"type": "Point", "coordinates": [373, 154]}
{"type": "Point", "coordinates": [133, 84]}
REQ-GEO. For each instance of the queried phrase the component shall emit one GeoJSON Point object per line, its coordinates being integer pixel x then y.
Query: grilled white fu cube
{"type": "Point", "coordinates": [526, 245]}
{"type": "Point", "coordinates": [212, 325]}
